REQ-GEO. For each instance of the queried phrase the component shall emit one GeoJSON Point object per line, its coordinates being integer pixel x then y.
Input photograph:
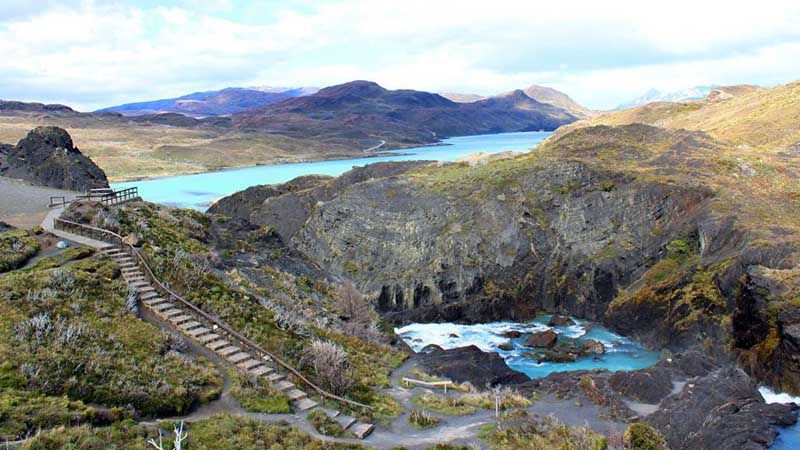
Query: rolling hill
{"type": "Point", "coordinates": [744, 116]}
{"type": "Point", "coordinates": [366, 111]}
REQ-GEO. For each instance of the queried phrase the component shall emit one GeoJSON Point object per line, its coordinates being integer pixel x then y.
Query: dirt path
{"type": "Point", "coordinates": [24, 205]}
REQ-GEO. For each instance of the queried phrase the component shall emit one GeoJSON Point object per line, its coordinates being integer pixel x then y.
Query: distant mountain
{"type": "Point", "coordinates": [15, 106]}
{"type": "Point", "coordinates": [364, 110]}
{"type": "Point", "coordinates": [213, 103]}
{"type": "Point", "coordinates": [654, 95]}
{"type": "Point", "coordinates": [557, 98]}
{"type": "Point", "coordinates": [462, 98]}
{"type": "Point", "coordinates": [541, 94]}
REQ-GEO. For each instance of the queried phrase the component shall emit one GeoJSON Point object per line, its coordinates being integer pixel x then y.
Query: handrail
{"type": "Point", "coordinates": [244, 340]}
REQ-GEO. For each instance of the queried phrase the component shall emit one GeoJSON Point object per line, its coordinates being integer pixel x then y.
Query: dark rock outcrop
{"type": "Point", "coordinates": [542, 339]}
{"type": "Point", "coordinates": [470, 364]}
{"type": "Point", "coordinates": [557, 320]}
{"type": "Point", "coordinates": [722, 410]}
{"type": "Point", "coordinates": [47, 157]}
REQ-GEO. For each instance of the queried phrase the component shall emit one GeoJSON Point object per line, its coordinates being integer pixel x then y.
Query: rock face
{"type": "Point", "coordinates": [472, 365]}
{"type": "Point", "coordinates": [542, 339]}
{"type": "Point", "coordinates": [646, 250]}
{"type": "Point", "coordinates": [47, 157]}
{"type": "Point", "coordinates": [732, 413]}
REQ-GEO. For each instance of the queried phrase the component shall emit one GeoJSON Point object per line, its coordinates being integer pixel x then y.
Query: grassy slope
{"type": "Point", "coordinates": [221, 432]}
{"type": "Point", "coordinates": [126, 151]}
{"type": "Point", "coordinates": [768, 119]}
{"type": "Point", "coordinates": [90, 349]}
{"type": "Point", "coordinates": [167, 229]}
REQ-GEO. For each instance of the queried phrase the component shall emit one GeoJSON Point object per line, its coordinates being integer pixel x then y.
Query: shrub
{"type": "Point", "coordinates": [16, 248]}
{"type": "Point", "coordinates": [642, 436]}
{"type": "Point", "coordinates": [422, 419]}
{"type": "Point", "coordinates": [540, 433]}
{"type": "Point", "coordinates": [324, 424]}
{"type": "Point", "coordinates": [330, 364]}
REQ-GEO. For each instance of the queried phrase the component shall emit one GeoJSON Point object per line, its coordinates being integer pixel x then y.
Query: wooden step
{"type": "Point", "coordinates": [239, 357]}
{"type": "Point", "coordinates": [304, 404]}
{"type": "Point", "coordinates": [283, 385]}
{"type": "Point", "coordinates": [296, 394]}
{"type": "Point", "coordinates": [162, 308]}
{"type": "Point", "coordinates": [249, 364]}
{"type": "Point", "coordinates": [174, 312]}
{"type": "Point", "coordinates": [148, 295]}
{"type": "Point", "coordinates": [186, 326]}
{"type": "Point", "coordinates": [275, 377]}
{"type": "Point", "coordinates": [332, 413]}
{"type": "Point", "coordinates": [227, 351]}
{"type": "Point", "coordinates": [197, 332]}
{"type": "Point", "coordinates": [261, 370]}
{"type": "Point", "coordinates": [345, 421]}
{"type": "Point", "coordinates": [362, 430]}
{"type": "Point", "coordinates": [206, 338]}
{"type": "Point", "coordinates": [181, 319]}
{"type": "Point", "coordinates": [216, 345]}
{"type": "Point", "coordinates": [151, 302]}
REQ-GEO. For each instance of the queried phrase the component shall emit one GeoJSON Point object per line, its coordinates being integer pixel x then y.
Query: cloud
{"type": "Point", "coordinates": [97, 53]}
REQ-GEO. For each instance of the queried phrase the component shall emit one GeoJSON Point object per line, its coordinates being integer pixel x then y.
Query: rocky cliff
{"type": "Point", "coordinates": [47, 157]}
{"type": "Point", "coordinates": [645, 229]}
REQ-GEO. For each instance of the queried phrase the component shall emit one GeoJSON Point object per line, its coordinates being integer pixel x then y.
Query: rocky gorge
{"type": "Point", "coordinates": [640, 228]}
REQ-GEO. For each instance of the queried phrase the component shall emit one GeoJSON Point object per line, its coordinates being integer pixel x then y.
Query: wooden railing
{"type": "Point", "coordinates": [106, 196]}
{"type": "Point", "coordinates": [114, 238]}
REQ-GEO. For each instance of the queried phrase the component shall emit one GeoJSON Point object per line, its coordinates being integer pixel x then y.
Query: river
{"type": "Point", "coordinates": [198, 191]}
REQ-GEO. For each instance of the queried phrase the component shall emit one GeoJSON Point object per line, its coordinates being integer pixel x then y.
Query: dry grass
{"type": "Point", "coordinates": [131, 150]}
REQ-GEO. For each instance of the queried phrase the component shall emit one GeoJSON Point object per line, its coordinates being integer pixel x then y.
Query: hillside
{"type": "Point", "coordinates": [559, 99]}
{"type": "Point", "coordinates": [212, 103]}
{"type": "Point", "coordinates": [743, 116]}
{"type": "Point", "coordinates": [129, 147]}
{"type": "Point", "coordinates": [364, 110]}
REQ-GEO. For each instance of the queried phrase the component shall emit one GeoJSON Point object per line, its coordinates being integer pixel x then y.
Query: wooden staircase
{"type": "Point", "coordinates": [185, 319]}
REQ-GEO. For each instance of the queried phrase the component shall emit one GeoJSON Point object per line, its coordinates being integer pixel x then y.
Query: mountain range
{"type": "Point", "coordinates": [363, 110]}
{"type": "Point", "coordinates": [655, 95]}
{"type": "Point", "coordinates": [213, 103]}
{"type": "Point", "coordinates": [541, 94]}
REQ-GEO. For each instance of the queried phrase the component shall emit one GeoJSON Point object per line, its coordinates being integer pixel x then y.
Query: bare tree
{"type": "Point", "coordinates": [331, 365]}
{"type": "Point", "coordinates": [359, 318]}
{"type": "Point", "coordinates": [180, 436]}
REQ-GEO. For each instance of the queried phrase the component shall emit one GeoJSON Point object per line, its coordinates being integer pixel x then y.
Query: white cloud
{"type": "Point", "coordinates": [95, 53]}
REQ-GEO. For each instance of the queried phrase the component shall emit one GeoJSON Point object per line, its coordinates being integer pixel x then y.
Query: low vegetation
{"type": "Point", "coordinates": [256, 395]}
{"type": "Point", "coordinates": [220, 432]}
{"type": "Point", "coordinates": [16, 248]}
{"type": "Point", "coordinates": [325, 425]}
{"type": "Point", "coordinates": [67, 339]}
{"type": "Point", "coordinates": [522, 432]}
{"type": "Point", "coordinates": [463, 404]}
{"type": "Point", "coordinates": [422, 419]}
{"type": "Point", "coordinates": [641, 436]}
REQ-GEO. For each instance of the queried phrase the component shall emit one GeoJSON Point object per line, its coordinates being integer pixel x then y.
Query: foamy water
{"type": "Point", "coordinates": [789, 437]}
{"type": "Point", "coordinates": [621, 353]}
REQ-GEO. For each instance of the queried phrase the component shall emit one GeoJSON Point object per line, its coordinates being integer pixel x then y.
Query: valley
{"type": "Point", "coordinates": [576, 279]}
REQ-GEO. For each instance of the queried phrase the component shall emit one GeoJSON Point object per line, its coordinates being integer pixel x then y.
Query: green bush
{"type": "Point", "coordinates": [422, 419]}
{"type": "Point", "coordinates": [258, 397]}
{"type": "Point", "coordinates": [16, 248]}
{"type": "Point", "coordinates": [642, 436]}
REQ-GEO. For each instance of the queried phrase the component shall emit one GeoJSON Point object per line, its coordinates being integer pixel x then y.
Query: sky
{"type": "Point", "coordinates": [93, 53]}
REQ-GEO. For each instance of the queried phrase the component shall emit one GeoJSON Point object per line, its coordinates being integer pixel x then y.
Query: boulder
{"type": "Point", "coordinates": [506, 346]}
{"type": "Point", "coordinates": [558, 320]}
{"type": "Point", "coordinates": [47, 157]}
{"type": "Point", "coordinates": [470, 364]}
{"type": "Point", "coordinates": [593, 347]}
{"type": "Point", "coordinates": [513, 334]}
{"type": "Point", "coordinates": [542, 339]}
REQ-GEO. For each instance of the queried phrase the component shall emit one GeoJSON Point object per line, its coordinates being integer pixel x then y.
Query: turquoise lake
{"type": "Point", "coordinates": [621, 353]}
{"type": "Point", "coordinates": [198, 191]}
